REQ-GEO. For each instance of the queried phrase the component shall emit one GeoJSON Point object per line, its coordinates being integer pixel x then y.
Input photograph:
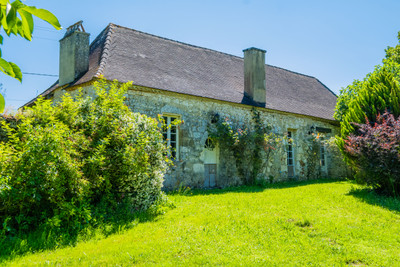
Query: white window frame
{"type": "Point", "coordinates": [290, 148]}
{"type": "Point", "coordinates": [322, 157]}
{"type": "Point", "coordinates": [168, 118]}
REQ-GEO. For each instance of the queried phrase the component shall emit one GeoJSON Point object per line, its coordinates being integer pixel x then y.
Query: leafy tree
{"type": "Point", "coordinates": [391, 63]}
{"type": "Point", "coordinates": [366, 99]}
{"type": "Point", "coordinates": [16, 18]}
{"type": "Point", "coordinates": [379, 93]}
{"type": "Point", "coordinates": [369, 141]}
{"type": "Point", "coordinates": [393, 53]}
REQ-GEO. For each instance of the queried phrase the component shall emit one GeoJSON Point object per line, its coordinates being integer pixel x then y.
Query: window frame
{"type": "Point", "coordinates": [322, 158]}
{"type": "Point", "coordinates": [290, 149]}
{"type": "Point", "coordinates": [168, 118]}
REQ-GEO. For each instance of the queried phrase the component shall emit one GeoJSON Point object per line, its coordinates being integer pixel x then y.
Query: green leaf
{"type": "Point", "coordinates": [3, 16]}
{"type": "Point", "coordinates": [1, 41]}
{"type": "Point", "coordinates": [11, 17]}
{"type": "Point", "coordinates": [11, 69]}
{"type": "Point", "coordinates": [44, 15]}
{"type": "Point", "coordinates": [27, 23]}
{"type": "Point", "coordinates": [6, 68]}
{"type": "Point", "coordinates": [17, 71]}
{"type": "Point", "coordinates": [17, 5]}
{"type": "Point", "coordinates": [2, 103]}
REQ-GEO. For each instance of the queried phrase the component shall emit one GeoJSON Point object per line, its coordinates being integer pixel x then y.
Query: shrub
{"type": "Point", "coordinates": [375, 151]}
{"type": "Point", "coordinates": [40, 174]}
{"type": "Point", "coordinates": [63, 160]}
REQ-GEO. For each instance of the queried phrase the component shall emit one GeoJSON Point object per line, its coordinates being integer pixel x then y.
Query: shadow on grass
{"type": "Point", "coordinates": [369, 196]}
{"type": "Point", "coordinates": [258, 189]}
{"type": "Point", "coordinates": [46, 238]}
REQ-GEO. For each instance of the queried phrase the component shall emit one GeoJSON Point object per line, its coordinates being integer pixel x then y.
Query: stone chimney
{"type": "Point", "coordinates": [74, 54]}
{"type": "Point", "coordinates": [254, 74]}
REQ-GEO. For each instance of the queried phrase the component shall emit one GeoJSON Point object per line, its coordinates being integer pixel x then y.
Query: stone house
{"type": "Point", "coordinates": [195, 84]}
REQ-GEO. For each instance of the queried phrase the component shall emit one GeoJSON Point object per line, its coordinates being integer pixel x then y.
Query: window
{"type": "Point", "coordinates": [323, 155]}
{"type": "Point", "coordinates": [171, 136]}
{"type": "Point", "coordinates": [290, 154]}
{"type": "Point", "coordinates": [209, 144]}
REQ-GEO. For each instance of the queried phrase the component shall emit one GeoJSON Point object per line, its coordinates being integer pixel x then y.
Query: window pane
{"type": "Point", "coordinates": [173, 128]}
{"type": "Point", "coordinates": [173, 137]}
{"type": "Point", "coordinates": [170, 133]}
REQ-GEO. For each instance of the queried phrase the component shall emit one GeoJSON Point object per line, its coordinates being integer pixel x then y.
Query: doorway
{"type": "Point", "coordinates": [210, 164]}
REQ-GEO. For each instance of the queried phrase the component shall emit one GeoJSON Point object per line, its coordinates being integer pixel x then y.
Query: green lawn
{"type": "Point", "coordinates": [307, 223]}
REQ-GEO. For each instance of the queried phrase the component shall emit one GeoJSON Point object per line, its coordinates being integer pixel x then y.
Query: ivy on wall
{"type": "Point", "coordinates": [313, 155]}
{"type": "Point", "coordinates": [251, 144]}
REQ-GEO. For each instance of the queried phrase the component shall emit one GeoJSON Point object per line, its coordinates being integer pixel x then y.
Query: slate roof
{"type": "Point", "coordinates": [151, 61]}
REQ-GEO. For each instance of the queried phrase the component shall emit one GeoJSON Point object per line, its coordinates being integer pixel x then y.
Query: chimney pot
{"type": "Point", "coordinates": [254, 74]}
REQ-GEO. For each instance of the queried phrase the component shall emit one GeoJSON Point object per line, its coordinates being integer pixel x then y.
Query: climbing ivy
{"type": "Point", "coordinates": [251, 144]}
{"type": "Point", "coordinates": [313, 156]}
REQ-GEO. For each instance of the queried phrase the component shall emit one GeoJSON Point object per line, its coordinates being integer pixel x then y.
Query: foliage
{"type": "Point", "coordinates": [64, 159]}
{"type": "Point", "coordinates": [17, 18]}
{"type": "Point", "coordinates": [375, 151]}
{"type": "Point", "coordinates": [362, 103]}
{"type": "Point", "coordinates": [40, 176]}
{"type": "Point", "coordinates": [393, 53]}
{"type": "Point", "coordinates": [379, 93]}
{"type": "Point", "coordinates": [313, 156]}
{"type": "Point", "coordinates": [391, 64]}
{"type": "Point", "coordinates": [249, 145]}
{"type": "Point", "coordinates": [309, 223]}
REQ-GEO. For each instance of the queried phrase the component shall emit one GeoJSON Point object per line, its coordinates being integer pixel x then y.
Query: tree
{"type": "Point", "coordinates": [391, 63]}
{"type": "Point", "coordinates": [16, 18]}
{"type": "Point", "coordinates": [366, 136]}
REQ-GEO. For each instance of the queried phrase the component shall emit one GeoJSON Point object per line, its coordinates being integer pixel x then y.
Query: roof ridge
{"type": "Point", "coordinates": [204, 48]}
{"type": "Point", "coordinates": [175, 41]}
{"type": "Point", "coordinates": [106, 48]}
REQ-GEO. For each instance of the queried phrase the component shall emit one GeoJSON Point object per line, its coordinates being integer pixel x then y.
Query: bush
{"type": "Point", "coordinates": [375, 152]}
{"type": "Point", "coordinates": [65, 159]}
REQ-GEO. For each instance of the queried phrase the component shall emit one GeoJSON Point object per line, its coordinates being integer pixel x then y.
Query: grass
{"type": "Point", "coordinates": [304, 223]}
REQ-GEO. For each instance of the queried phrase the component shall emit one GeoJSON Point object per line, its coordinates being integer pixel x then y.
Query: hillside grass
{"type": "Point", "coordinates": [300, 223]}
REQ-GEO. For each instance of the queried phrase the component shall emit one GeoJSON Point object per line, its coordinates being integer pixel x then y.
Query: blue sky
{"type": "Point", "coordinates": [334, 41]}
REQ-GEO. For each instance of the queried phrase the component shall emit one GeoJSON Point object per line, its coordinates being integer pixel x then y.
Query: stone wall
{"type": "Point", "coordinates": [196, 114]}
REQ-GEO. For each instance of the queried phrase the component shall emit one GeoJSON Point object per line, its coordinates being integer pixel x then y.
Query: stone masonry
{"type": "Point", "coordinates": [196, 114]}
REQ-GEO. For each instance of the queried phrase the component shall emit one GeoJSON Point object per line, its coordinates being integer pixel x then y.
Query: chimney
{"type": "Point", "coordinates": [254, 74]}
{"type": "Point", "coordinates": [74, 54]}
